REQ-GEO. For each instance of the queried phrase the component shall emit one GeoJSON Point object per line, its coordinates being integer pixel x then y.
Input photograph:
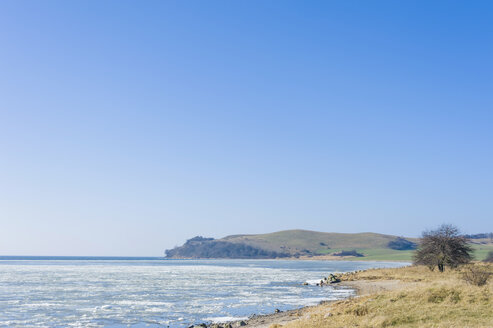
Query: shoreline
{"type": "Point", "coordinates": [283, 317]}
{"type": "Point", "coordinates": [266, 320]}
{"type": "Point", "coordinates": [360, 288]}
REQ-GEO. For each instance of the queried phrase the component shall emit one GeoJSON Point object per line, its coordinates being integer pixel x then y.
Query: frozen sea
{"type": "Point", "coordinates": [153, 292]}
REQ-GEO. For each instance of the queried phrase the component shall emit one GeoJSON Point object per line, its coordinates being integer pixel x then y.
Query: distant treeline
{"type": "Point", "coordinates": [401, 244]}
{"type": "Point", "coordinates": [207, 248]}
{"type": "Point", "coordinates": [480, 236]}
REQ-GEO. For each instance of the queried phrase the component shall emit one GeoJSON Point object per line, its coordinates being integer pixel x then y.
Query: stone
{"type": "Point", "coordinates": [333, 279]}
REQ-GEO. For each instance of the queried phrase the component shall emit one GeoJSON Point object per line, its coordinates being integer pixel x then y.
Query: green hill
{"type": "Point", "coordinates": [313, 244]}
{"type": "Point", "coordinates": [296, 243]}
{"type": "Point", "coordinates": [301, 241]}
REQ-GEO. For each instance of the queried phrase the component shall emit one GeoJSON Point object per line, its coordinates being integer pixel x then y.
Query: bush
{"type": "Point", "coordinates": [348, 253]}
{"type": "Point", "coordinates": [476, 275]}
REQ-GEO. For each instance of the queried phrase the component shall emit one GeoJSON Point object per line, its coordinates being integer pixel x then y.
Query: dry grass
{"type": "Point", "coordinates": [433, 299]}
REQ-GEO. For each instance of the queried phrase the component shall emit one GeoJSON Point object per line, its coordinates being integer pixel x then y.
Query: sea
{"type": "Point", "coordinates": [157, 292]}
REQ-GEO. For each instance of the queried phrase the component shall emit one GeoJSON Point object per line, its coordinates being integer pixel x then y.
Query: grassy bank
{"type": "Point", "coordinates": [481, 251]}
{"type": "Point", "coordinates": [386, 254]}
{"type": "Point", "coordinates": [417, 297]}
{"type": "Point", "coordinates": [377, 254]}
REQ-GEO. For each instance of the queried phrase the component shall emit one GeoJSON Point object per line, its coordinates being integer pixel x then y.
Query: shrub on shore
{"type": "Point", "coordinates": [476, 275]}
{"type": "Point", "coordinates": [442, 247]}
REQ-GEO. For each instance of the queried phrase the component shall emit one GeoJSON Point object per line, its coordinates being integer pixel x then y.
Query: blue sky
{"type": "Point", "coordinates": [127, 127]}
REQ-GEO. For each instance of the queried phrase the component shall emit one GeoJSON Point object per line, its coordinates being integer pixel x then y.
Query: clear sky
{"type": "Point", "coordinates": [127, 127]}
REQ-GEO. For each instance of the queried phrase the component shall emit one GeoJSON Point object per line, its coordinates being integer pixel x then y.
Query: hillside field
{"type": "Point", "coordinates": [386, 254]}
{"type": "Point", "coordinates": [307, 244]}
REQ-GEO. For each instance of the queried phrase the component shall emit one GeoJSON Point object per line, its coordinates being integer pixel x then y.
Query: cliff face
{"type": "Point", "coordinates": [205, 248]}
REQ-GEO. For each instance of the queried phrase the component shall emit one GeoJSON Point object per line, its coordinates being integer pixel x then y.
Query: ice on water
{"type": "Point", "coordinates": [146, 293]}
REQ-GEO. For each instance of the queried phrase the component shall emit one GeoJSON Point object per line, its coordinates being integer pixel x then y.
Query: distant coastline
{"type": "Point", "coordinates": [298, 244]}
{"type": "Point", "coordinates": [311, 245]}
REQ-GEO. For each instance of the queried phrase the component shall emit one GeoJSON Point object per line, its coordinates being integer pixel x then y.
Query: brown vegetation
{"type": "Point", "coordinates": [476, 275]}
{"type": "Point", "coordinates": [419, 298]}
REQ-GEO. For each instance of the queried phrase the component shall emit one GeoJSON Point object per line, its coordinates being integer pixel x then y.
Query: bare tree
{"type": "Point", "coordinates": [442, 247]}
